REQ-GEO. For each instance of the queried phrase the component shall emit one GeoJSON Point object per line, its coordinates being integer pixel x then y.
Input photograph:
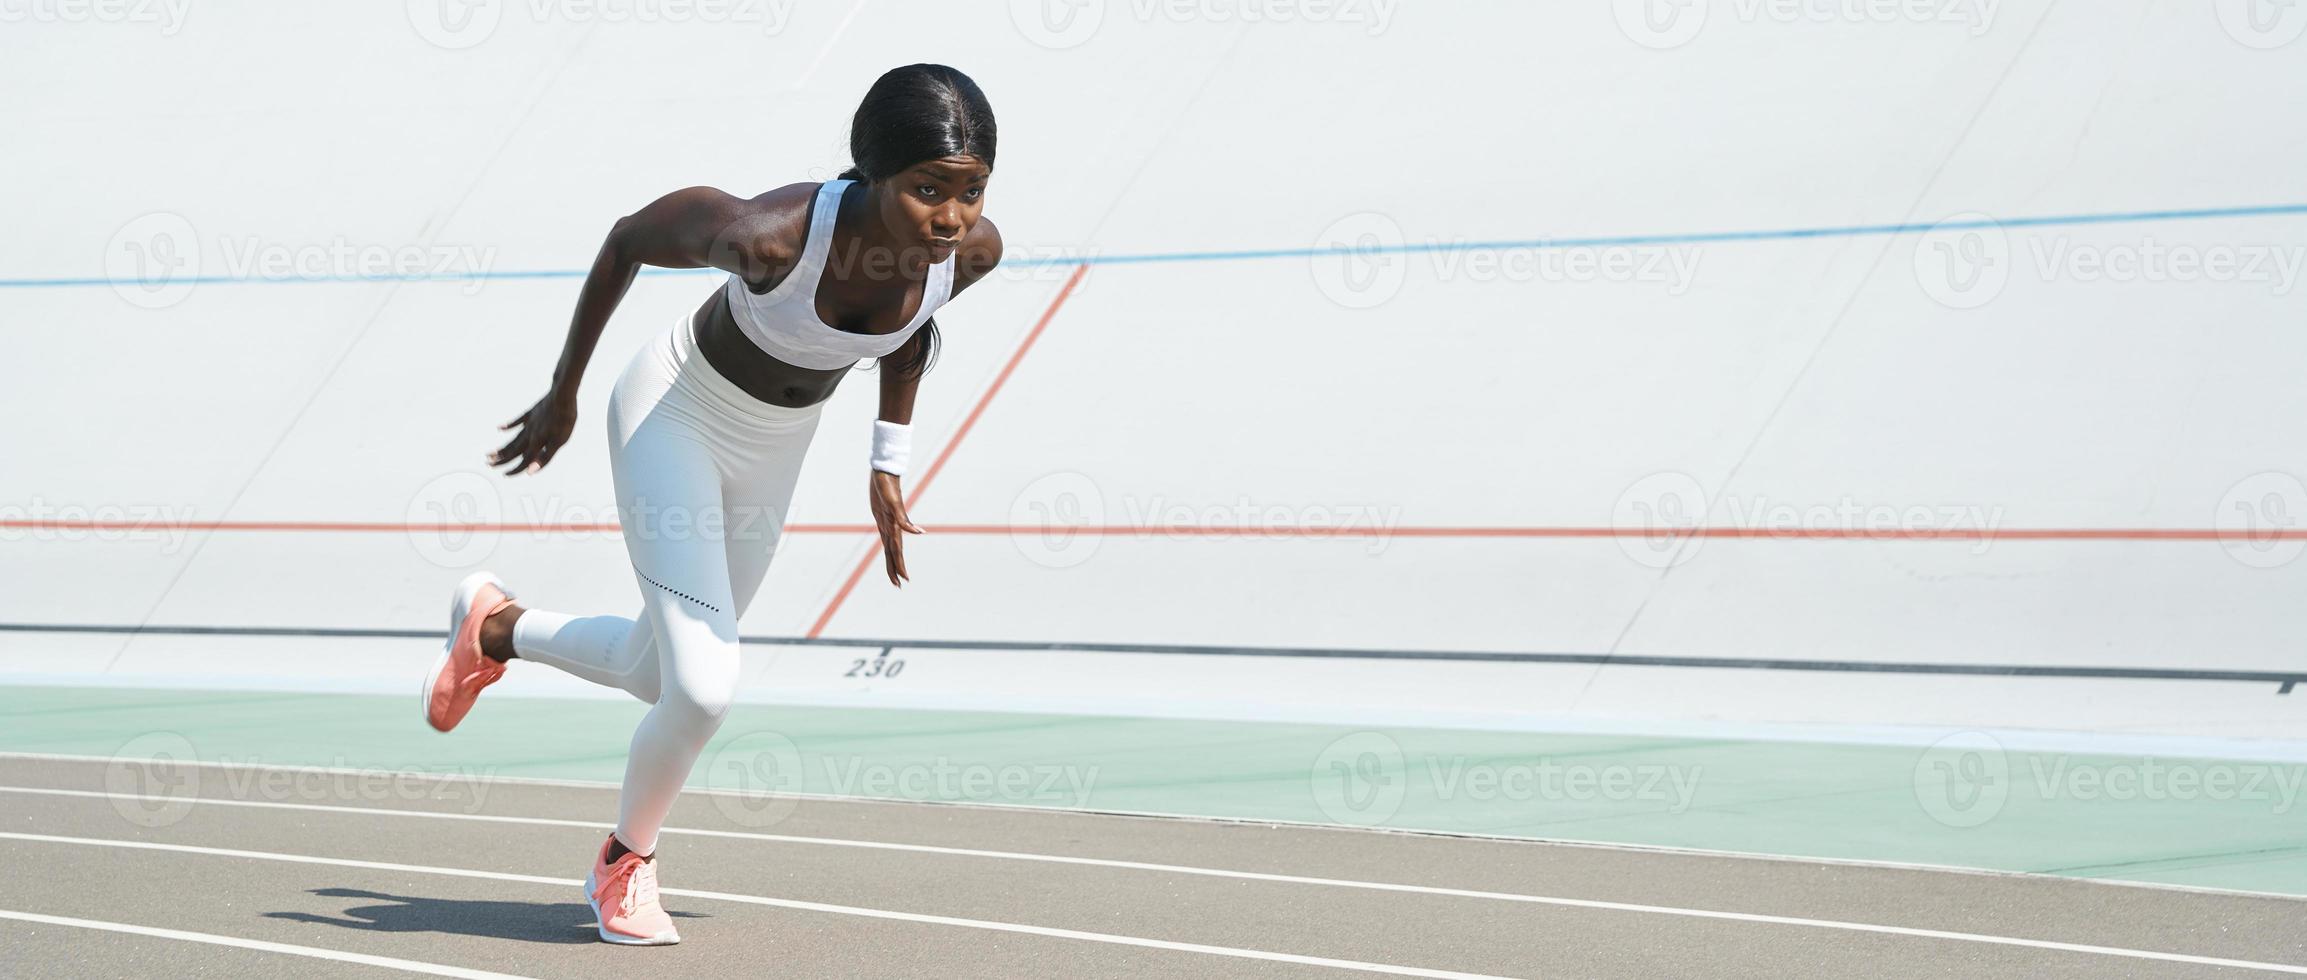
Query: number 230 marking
{"type": "Point", "coordinates": [883, 665]}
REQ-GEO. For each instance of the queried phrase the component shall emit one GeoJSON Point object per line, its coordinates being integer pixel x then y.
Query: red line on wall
{"type": "Point", "coordinates": [1242, 530]}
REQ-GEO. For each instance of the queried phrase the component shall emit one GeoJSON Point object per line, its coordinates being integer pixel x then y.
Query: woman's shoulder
{"type": "Point", "coordinates": [978, 254]}
{"type": "Point", "coordinates": [773, 225]}
{"type": "Point", "coordinates": [762, 235]}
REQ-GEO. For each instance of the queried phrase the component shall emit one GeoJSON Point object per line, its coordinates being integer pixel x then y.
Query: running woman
{"type": "Point", "coordinates": [709, 422]}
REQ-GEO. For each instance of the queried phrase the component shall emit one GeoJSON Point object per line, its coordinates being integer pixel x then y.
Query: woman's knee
{"type": "Point", "coordinates": [698, 696]}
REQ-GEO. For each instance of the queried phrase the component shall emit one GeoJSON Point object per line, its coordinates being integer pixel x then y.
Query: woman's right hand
{"type": "Point", "coordinates": [544, 428]}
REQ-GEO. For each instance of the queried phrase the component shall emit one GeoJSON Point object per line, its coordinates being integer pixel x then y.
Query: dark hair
{"type": "Point", "coordinates": [912, 114]}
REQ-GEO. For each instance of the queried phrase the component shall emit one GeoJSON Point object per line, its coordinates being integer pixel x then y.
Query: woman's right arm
{"type": "Point", "coordinates": [692, 228]}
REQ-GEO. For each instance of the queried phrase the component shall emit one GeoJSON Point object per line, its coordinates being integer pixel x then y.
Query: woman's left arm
{"type": "Point", "coordinates": [975, 260]}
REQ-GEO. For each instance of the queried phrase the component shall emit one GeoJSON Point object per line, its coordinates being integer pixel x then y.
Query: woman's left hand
{"type": "Point", "coordinates": [888, 499]}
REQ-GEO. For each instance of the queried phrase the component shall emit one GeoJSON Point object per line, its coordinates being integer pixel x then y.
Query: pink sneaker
{"type": "Point", "coordinates": [462, 670]}
{"type": "Point", "coordinates": [624, 898]}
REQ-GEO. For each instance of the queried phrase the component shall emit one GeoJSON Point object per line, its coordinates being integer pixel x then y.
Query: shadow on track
{"type": "Point", "coordinates": [558, 922]}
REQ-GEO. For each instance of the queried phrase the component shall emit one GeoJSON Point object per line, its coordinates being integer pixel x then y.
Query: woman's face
{"type": "Point", "coordinates": [933, 204]}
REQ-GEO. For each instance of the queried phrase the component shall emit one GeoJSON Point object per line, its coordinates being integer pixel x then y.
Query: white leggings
{"type": "Point", "coordinates": [704, 476]}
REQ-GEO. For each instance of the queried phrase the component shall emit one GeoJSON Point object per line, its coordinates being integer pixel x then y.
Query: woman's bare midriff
{"type": "Point", "coordinates": [735, 355]}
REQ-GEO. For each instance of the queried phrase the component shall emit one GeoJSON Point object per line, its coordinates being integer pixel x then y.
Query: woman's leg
{"type": "Point", "coordinates": [699, 665]}
{"type": "Point", "coordinates": [609, 650]}
{"type": "Point", "coordinates": [669, 501]}
{"type": "Point", "coordinates": [760, 495]}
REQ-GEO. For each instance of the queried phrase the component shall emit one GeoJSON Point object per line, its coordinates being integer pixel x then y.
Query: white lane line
{"type": "Point", "coordinates": [785, 903]}
{"type": "Point", "coordinates": [1668, 850]}
{"type": "Point", "coordinates": [1583, 903]}
{"type": "Point", "coordinates": [340, 956]}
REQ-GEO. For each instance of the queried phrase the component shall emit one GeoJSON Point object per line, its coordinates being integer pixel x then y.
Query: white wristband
{"type": "Point", "coordinates": [892, 446]}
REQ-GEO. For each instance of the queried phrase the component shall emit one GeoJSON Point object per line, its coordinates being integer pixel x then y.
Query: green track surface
{"type": "Point", "coordinates": [2205, 823]}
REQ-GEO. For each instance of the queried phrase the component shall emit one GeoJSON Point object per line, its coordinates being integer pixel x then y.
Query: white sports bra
{"type": "Point", "coordinates": [784, 321]}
